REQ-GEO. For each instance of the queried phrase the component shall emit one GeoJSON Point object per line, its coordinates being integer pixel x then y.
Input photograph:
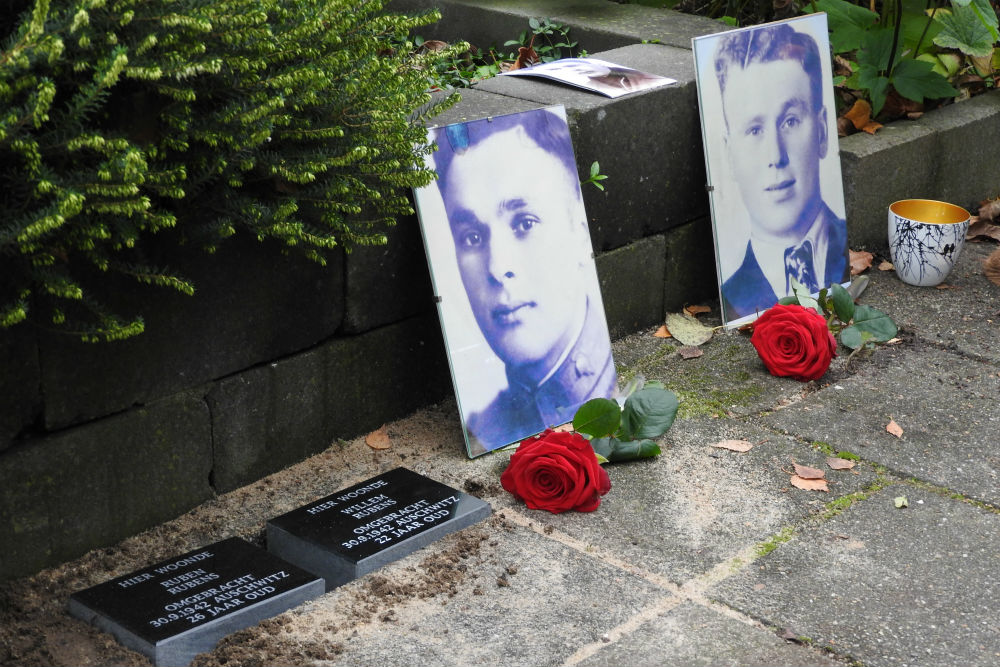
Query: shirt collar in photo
{"type": "Point", "coordinates": [771, 257]}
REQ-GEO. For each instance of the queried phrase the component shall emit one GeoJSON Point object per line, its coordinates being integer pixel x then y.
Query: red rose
{"type": "Point", "coordinates": [794, 341]}
{"type": "Point", "coordinates": [556, 471]}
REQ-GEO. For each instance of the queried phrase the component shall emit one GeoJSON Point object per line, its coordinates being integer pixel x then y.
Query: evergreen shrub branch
{"type": "Point", "coordinates": [289, 120]}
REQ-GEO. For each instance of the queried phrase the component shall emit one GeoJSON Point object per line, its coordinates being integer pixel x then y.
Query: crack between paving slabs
{"type": "Point", "coordinates": [691, 591]}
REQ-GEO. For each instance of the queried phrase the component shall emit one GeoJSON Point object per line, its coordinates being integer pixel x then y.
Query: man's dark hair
{"type": "Point", "coordinates": [770, 44]}
{"type": "Point", "coordinates": [546, 129]}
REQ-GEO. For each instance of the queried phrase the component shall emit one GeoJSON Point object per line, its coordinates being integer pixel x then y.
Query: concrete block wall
{"type": "Point", "coordinates": [275, 358]}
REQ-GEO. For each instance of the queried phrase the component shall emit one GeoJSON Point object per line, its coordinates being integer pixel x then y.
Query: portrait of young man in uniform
{"type": "Point", "coordinates": [518, 234]}
{"type": "Point", "coordinates": [776, 133]}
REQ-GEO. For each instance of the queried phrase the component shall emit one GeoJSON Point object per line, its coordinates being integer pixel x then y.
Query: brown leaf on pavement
{"type": "Point", "coordinates": [980, 228]}
{"type": "Point", "coordinates": [690, 352]}
{"type": "Point", "coordinates": [861, 261]}
{"type": "Point", "coordinates": [735, 445]}
{"type": "Point", "coordinates": [809, 484]}
{"type": "Point", "coordinates": [837, 463]}
{"type": "Point", "coordinates": [894, 428]}
{"type": "Point", "coordinates": [378, 439]}
{"type": "Point", "coordinates": [805, 472]}
{"type": "Point", "coordinates": [662, 332]}
{"type": "Point", "coordinates": [991, 267]}
{"type": "Point", "coordinates": [886, 265]}
{"type": "Point", "coordinates": [989, 210]}
{"type": "Point", "coordinates": [697, 310]}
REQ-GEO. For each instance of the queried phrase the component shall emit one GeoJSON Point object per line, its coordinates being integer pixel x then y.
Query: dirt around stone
{"type": "Point", "coordinates": [36, 630]}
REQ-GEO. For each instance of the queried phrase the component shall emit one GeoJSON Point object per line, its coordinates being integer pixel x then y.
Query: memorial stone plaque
{"type": "Point", "coordinates": [174, 610]}
{"type": "Point", "coordinates": [355, 531]}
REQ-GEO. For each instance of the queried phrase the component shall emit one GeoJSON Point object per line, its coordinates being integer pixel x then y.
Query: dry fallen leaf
{"type": "Point", "coordinates": [687, 329]}
{"type": "Point", "coordinates": [861, 261]}
{"type": "Point", "coordinates": [735, 445]}
{"type": "Point", "coordinates": [982, 229]}
{"type": "Point", "coordinates": [859, 114]}
{"type": "Point", "coordinates": [809, 484]}
{"type": "Point", "coordinates": [662, 332]}
{"type": "Point", "coordinates": [378, 439]}
{"type": "Point", "coordinates": [837, 463]}
{"type": "Point", "coordinates": [690, 352]}
{"type": "Point", "coordinates": [989, 210]}
{"type": "Point", "coordinates": [805, 472]}
{"type": "Point", "coordinates": [945, 286]}
{"type": "Point", "coordinates": [894, 428]}
{"type": "Point", "coordinates": [886, 265]}
{"type": "Point", "coordinates": [894, 341]}
{"type": "Point", "coordinates": [991, 267]}
{"type": "Point", "coordinates": [697, 310]}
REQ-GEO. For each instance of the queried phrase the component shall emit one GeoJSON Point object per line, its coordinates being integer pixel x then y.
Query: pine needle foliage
{"type": "Point", "coordinates": [292, 120]}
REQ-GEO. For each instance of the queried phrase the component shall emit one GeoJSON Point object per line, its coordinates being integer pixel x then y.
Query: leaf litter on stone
{"type": "Point", "coordinates": [690, 352]}
{"type": "Point", "coordinates": [735, 445]}
{"type": "Point", "coordinates": [837, 463]}
{"type": "Point", "coordinates": [805, 472]}
{"type": "Point", "coordinates": [861, 261]}
{"type": "Point", "coordinates": [893, 428]}
{"type": "Point", "coordinates": [662, 332]}
{"type": "Point", "coordinates": [378, 439]}
{"type": "Point", "coordinates": [687, 329]}
{"type": "Point", "coordinates": [809, 484]}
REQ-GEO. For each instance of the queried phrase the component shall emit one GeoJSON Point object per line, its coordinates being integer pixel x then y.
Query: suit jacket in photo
{"type": "Point", "coordinates": [747, 291]}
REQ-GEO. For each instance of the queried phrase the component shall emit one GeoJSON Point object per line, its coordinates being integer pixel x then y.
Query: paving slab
{"type": "Point", "coordinates": [692, 635]}
{"type": "Point", "coordinates": [472, 599]}
{"type": "Point", "coordinates": [696, 506]}
{"type": "Point", "coordinates": [964, 313]}
{"type": "Point", "coordinates": [945, 403]}
{"type": "Point", "coordinates": [886, 586]}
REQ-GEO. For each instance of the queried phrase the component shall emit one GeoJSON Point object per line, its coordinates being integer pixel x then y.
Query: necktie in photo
{"type": "Point", "coordinates": [799, 265]}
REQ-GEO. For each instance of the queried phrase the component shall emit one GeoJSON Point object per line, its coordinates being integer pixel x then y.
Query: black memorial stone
{"type": "Point", "coordinates": [359, 529]}
{"type": "Point", "coordinates": [174, 610]}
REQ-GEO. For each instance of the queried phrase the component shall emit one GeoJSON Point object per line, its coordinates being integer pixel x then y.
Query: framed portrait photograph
{"type": "Point", "coordinates": [513, 272]}
{"type": "Point", "coordinates": [769, 129]}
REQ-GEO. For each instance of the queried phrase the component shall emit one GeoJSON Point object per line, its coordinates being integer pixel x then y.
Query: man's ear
{"type": "Point", "coordinates": [822, 135]}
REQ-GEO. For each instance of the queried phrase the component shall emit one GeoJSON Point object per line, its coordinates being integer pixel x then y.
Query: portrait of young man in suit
{"type": "Point", "coordinates": [519, 234]}
{"type": "Point", "coordinates": [777, 130]}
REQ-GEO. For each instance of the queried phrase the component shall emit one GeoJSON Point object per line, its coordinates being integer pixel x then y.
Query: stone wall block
{"type": "Point", "coordinates": [251, 305]}
{"type": "Point", "coordinates": [632, 285]}
{"type": "Point", "coordinates": [268, 418]}
{"type": "Point", "coordinates": [648, 144]}
{"type": "Point", "coordinates": [91, 486]}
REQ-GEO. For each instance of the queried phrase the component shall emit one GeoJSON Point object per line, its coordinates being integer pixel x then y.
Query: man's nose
{"type": "Point", "coordinates": [503, 257]}
{"type": "Point", "coordinates": [777, 154]}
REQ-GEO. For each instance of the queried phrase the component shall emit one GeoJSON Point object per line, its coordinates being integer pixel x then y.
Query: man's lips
{"type": "Point", "coordinates": [509, 315]}
{"type": "Point", "coordinates": [780, 185]}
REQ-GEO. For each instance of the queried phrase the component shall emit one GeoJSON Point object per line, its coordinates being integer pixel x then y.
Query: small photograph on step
{"type": "Point", "coordinates": [773, 164]}
{"type": "Point", "coordinates": [513, 271]}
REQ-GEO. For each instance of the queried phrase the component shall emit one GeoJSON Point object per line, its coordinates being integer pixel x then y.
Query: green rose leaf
{"type": "Point", "coordinates": [878, 326]}
{"type": "Point", "coordinates": [843, 304]}
{"type": "Point", "coordinates": [788, 301]}
{"type": "Point", "coordinates": [648, 413]}
{"type": "Point", "coordinates": [615, 450]}
{"type": "Point", "coordinates": [598, 417]}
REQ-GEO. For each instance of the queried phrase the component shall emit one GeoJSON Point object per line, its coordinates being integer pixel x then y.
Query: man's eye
{"type": "Point", "coordinates": [471, 239]}
{"type": "Point", "coordinates": [792, 122]}
{"type": "Point", "coordinates": [523, 224]}
{"type": "Point", "coordinates": [755, 131]}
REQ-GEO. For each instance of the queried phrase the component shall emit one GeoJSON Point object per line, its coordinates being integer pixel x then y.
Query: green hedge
{"type": "Point", "coordinates": [120, 119]}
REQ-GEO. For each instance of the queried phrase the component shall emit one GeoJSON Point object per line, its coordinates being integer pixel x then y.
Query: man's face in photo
{"type": "Point", "coordinates": [520, 249]}
{"type": "Point", "coordinates": [776, 137]}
